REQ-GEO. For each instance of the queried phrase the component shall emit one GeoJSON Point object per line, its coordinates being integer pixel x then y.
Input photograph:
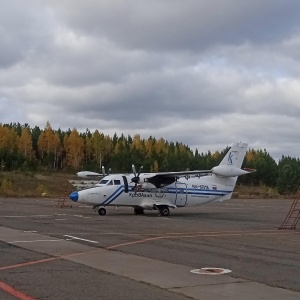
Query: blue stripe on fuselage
{"type": "Point", "coordinates": [114, 195]}
{"type": "Point", "coordinates": [120, 190]}
{"type": "Point", "coordinates": [190, 191]}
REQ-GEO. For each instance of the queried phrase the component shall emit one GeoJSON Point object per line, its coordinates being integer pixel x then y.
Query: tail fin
{"type": "Point", "coordinates": [229, 169]}
{"type": "Point", "coordinates": [227, 172]}
{"type": "Point", "coordinates": [235, 155]}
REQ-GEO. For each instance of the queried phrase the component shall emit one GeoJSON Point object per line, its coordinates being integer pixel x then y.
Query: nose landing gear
{"type": "Point", "coordinates": [102, 211]}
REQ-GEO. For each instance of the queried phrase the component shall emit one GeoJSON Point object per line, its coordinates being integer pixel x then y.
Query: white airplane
{"type": "Point", "coordinates": [164, 190]}
{"type": "Point", "coordinates": [88, 174]}
{"type": "Point", "coordinates": [92, 175]}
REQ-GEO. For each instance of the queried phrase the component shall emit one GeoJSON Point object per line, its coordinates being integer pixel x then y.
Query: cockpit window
{"type": "Point", "coordinates": [103, 181]}
{"type": "Point", "coordinates": [110, 182]}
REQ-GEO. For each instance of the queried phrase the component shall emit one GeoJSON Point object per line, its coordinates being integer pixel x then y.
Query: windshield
{"type": "Point", "coordinates": [103, 181]}
{"type": "Point", "coordinates": [110, 182]}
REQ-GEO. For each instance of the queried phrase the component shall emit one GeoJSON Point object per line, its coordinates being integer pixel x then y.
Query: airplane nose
{"type": "Point", "coordinates": [74, 196]}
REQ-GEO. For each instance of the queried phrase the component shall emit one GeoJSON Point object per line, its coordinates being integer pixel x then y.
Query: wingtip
{"type": "Point", "coordinates": [249, 170]}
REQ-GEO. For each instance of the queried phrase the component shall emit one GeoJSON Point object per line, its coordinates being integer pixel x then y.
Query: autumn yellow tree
{"type": "Point", "coordinates": [149, 147]}
{"type": "Point", "coordinates": [154, 168]}
{"type": "Point", "coordinates": [160, 146]}
{"type": "Point", "coordinates": [250, 155]}
{"type": "Point", "coordinates": [137, 143]}
{"type": "Point", "coordinates": [216, 155]}
{"type": "Point", "coordinates": [120, 147]}
{"type": "Point", "coordinates": [8, 139]}
{"type": "Point", "coordinates": [45, 140]}
{"type": "Point", "coordinates": [74, 147]}
{"type": "Point", "coordinates": [108, 146]}
{"type": "Point", "coordinates": [49, 144]}
{"type": "Point", "coordinates": [25, 143]}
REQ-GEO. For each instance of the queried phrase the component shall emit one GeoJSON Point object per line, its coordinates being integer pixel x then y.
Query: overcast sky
{"type": "Point", "coordinates": [204, 73]}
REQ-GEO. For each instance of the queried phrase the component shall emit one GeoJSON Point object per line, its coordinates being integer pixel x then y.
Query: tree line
{"type": "Point", "coordinates": [34, 149]}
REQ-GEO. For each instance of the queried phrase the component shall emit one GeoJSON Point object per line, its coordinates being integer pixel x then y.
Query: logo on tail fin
{"type": "Point", "coordinates": [230, 156]}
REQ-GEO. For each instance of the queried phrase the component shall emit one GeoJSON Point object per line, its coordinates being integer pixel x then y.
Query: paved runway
{"type": "Point", "coordinates": [72, 253]}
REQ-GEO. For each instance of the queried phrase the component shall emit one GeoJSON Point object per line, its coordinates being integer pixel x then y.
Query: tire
{"type": "Point", "coordinates": [138, 211]}
{"type": "Point", "coordinates": [102, 211]}
{"type": "Point", "coordinates": [164, 211]}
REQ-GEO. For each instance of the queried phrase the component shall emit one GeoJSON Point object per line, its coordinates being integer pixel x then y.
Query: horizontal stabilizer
{"type": "Point", "coordinates": [228, 171]}
{"type": "Point", "coordinates": [249, 170]}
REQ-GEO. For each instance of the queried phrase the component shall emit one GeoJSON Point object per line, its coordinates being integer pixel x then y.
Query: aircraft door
{"type": "Point", "coordinates": [181, 194]}
{"type": "Point", "coordinates": [125, 184]}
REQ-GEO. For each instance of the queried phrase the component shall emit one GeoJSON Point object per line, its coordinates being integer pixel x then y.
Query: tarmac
{"type": "Point", "coordinates": [48, 252]}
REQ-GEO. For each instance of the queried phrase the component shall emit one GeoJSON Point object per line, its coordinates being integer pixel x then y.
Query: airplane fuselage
{"type": "Point", "coordinates": [183, 192]}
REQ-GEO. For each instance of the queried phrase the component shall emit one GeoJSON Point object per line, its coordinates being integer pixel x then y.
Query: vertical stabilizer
{"type": "Point", "coordinates": [229, 168]}
{"type": "Point", "coordinates": [235, 155]}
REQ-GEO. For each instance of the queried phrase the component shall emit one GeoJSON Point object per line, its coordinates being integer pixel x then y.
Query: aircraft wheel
{"type": "Point", "coordinates": [164, 211]}
{"type": "Point", "coordinates": [102, 211]}
{"type": "Point", "coordinates": [138, 211]}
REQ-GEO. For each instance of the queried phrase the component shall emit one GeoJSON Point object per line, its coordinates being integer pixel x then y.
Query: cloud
{"type": "Point", "coordinates": [203, 73]}
{"type": "Point", "coordinates": [190, 25]}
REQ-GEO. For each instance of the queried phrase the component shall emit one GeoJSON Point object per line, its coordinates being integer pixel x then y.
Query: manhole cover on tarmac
{"type": "Point", "coordinates": [211, 271]}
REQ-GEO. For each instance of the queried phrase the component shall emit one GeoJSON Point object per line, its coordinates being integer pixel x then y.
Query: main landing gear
{"type": "Point", "coordinates": [138, 211]}
{"type": "Point", "coordinates": [164, 210]}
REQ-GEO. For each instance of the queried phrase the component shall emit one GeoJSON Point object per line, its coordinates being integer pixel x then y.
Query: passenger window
{"type": "Point", "coordinates": [110, 183]}
{"type": "Point", "coordinates": [117, 182]}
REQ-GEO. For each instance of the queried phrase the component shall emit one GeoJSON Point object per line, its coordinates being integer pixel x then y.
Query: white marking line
{"type": "Point", "coordinates": [35, 216]}
{"type": "Point", "coordinates": [33, 231]}
{"type": "Point", "coordinates": [60, 219]}
{"type": "Point", "coordinates": [34, 241]}
{"type": "Point", "coordinates": [81, 216]}
{"type": "Point", "coordinates": [77, 238]}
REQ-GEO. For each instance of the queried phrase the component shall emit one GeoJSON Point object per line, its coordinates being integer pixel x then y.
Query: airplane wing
{"type": "Point", "coordinates": [165, 178]}
{"type": "Point", "coordinates": [184, 173]}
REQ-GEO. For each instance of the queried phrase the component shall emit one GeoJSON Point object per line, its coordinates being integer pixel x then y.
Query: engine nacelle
{"type": "Point", "coordinates": [227, 171]}
{"type": "Point", "coordinates": [148, 185]}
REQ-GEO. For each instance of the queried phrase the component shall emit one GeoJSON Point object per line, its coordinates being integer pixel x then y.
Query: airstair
{"type": "Point", "coordinates": [63, 199]}
{"type": "Point", "coordinates": [293, 215]}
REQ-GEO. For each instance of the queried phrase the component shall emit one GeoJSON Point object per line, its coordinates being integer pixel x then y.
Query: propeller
{"type": "Point", "coordinates": [104, 173]}
{"type": "Point", "coordinates": [136, 178]}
